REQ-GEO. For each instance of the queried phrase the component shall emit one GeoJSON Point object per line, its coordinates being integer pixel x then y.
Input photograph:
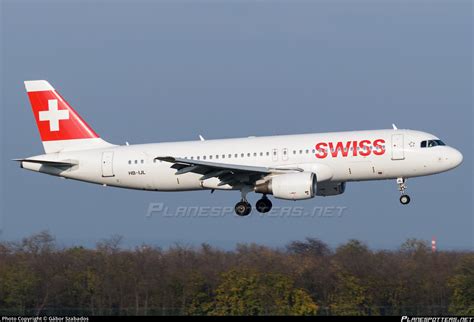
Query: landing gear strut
{"type": "Point", "coordinates": [404, 199]}
{"type": "Point", "coordinates": [243, 207]}
{"type": "Point", "coordinates": [264, 205]}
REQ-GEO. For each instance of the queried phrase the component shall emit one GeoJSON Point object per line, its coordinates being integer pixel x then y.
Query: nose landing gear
{"type": "Point", "coordinates": [404, 199]}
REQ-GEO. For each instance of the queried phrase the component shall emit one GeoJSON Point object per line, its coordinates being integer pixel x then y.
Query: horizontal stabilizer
{"type": "Point", "coordinates": [49, 162]}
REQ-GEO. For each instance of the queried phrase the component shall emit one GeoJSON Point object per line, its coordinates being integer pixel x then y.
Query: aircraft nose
{"type": "Point", "coordinates": [455, 157]}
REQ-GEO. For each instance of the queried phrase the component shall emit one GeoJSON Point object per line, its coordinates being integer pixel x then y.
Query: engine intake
{"type": "Point", "coordinates": [291, 186]}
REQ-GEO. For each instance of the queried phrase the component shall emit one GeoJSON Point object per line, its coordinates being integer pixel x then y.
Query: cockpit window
{"type": "Point", "coordinates": [431, 143]}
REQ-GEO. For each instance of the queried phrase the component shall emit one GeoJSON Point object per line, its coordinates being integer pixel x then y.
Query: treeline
{"type": "Point", "coordinates": [305, 278]}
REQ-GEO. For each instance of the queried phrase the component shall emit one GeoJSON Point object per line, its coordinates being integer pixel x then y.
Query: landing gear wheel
{"type": "Point", "coordinates": [243, 208]}
{"type": "Point", "coordinates": [402, 187]}
{"type": "Point", "coordinates": [405, 199]}
{"type": "Point", "coordinates": [264, 205]}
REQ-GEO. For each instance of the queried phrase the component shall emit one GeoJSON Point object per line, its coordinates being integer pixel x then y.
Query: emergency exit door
{"type": "Point", "coordinates": [107, 164]}
{"type": "Point", "coordinates": [398, 152]}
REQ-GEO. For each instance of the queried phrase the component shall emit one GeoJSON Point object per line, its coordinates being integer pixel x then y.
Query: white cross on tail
{"type": "Point", "coordinates": [53, 115]}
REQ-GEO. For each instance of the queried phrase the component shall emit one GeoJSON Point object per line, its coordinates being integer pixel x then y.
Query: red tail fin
{"type": "Point", "coordinates": [60, 127]}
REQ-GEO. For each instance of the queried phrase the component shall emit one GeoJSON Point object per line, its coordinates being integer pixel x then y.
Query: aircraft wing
{"type": "Point", "coordinates": [228, 174]}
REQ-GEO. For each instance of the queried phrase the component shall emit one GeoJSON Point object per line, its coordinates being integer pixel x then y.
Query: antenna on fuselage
{"type": "Point", "coordinates": [394, 126]}
{"type": "Point", "coordinates": [201, 138]}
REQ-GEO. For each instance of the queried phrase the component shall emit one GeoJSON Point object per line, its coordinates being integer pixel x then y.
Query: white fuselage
{"type": "Point", "coordinates": [135, 167]}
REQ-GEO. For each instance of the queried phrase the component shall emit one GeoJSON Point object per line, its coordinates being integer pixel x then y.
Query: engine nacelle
{"type": "Point", "coordinates": [291, 186]}
{"type": "Point", "coordinates": [331, 188]}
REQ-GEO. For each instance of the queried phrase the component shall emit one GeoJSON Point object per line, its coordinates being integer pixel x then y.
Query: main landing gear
{"type": "Point", "coordinates": [404, 199]}
{"type": "Point", "coordinates": [243, 207]}
{"type": "Point", "coordinates": [264, 205]}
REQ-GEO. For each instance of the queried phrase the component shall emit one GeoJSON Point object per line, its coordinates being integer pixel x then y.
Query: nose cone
{"type": "Point", "coordinates": [454, 158]}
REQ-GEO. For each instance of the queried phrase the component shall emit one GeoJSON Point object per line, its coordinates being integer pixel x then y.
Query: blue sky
{"type": "Point", "coordinates": [143, 71]}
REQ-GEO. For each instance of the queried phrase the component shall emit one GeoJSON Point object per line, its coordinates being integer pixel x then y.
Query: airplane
{"type": "Point", "coordinates": [290, 167]}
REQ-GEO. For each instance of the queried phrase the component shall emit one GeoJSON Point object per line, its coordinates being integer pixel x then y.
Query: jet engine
{"type": "Point", "coordinates": [290, 186]}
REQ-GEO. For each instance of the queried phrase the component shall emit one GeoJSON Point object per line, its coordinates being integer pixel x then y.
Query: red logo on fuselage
{"type": "Point", "coordinates": [354, 148]}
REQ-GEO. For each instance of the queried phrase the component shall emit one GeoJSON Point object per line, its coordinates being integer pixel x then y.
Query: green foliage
{"type": "Point", "coordinates": [353, 246]}
{"type": "Point", "coordinates": [462, 283]}
{"type": "Point", "coordinates": [248, 292]}
{"type": "Point", "coordinates": [311, 246]}
{"type": "Point", "coordinates": [305, 278]}
{"type": "Point", "coordinates": [414, 246]}
{"type": "Point", "coordinates": [351, 297]}
{"type": "Point", "coordinates": [18, 283]}
{"type": "Point", "coordinates": [201, 296]}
